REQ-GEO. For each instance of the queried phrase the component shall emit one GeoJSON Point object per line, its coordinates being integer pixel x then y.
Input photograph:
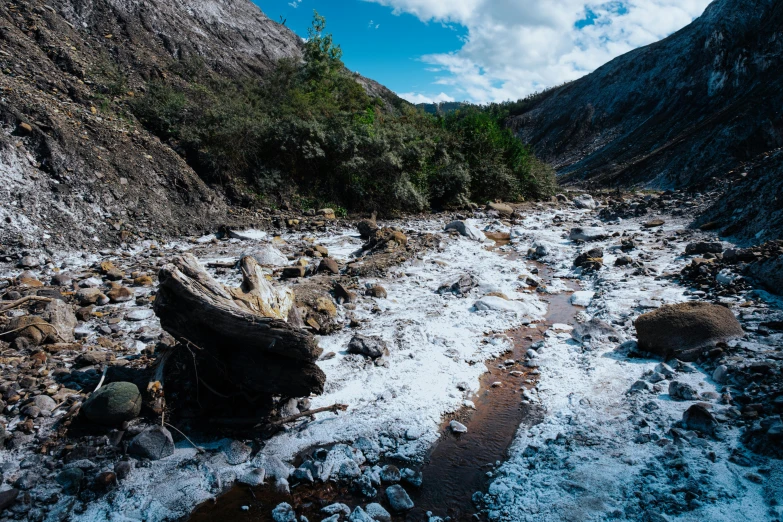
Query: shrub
{"type": "Point", "coordinates": [311, 129]}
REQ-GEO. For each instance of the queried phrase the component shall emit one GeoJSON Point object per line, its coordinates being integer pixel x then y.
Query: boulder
{"type": "Point", "coordinates": [70, 480]}
{"type": "Point", "coordinates": [7, 498]}
{"type": "Point", "coordinates": [113, 404]}
{"type": "Point", "coordinates": [60, 315]}
{"type": "Point", "coordinates": [267, 255]}
{"type": "Point", "coordinates": [584, 201]}
{"type": "Point", "coordinates": [154, 443]}
{"type": "Point", "coordinates": [30, 327]}
{"type": "Point", "coordinates": [293, 272]}
{"type": "Point", "coordinates": [703, 247]}
{"type": "Point", "coordinates": [581, 298]}
{"type": "Point", "coordinates": [91, 296]}
{"type": "Point", "coordinates": [684, 330]}
{"type": "Point", "coordinates": [372, 347]}
{"type": "Point", "coordinates": [466, 230]}
{"type": "Point", "coordinates": [377, 291]}
{"type": "Point", "coordinates": [501, 208]}
{"type": "Point", "coordinates": [378, 512]}
{"type": "Point", "coordinates": [120, 294]}
{"type": "Point", "coordinates": [29, 262]}
{"type": "Point", "coordinates": [698, 418]}
{"type": "Point", "coordinates": [593, 259]}
{"type": "Point", "coordinates": [284, 513]}
{"type": "Point", "coordinates": [398, 498]}
{"type": "Point", "coordinates": [681, 391]}
{"type": "Point", "coordinates": [329, 265]}
{"type": "Point", "coordinates": [460, 287]}
{"type": "Point", "coordinates": [587, 234]}
{"type": "Point", "coordinates": [367, 228]}
{"type": "Point", "coordinates": [327, 213]}
{"type": "Point", "coordinates": [595, 329]}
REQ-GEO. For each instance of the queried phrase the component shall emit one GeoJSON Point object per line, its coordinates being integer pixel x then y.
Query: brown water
{"type": "Point", "coordinates": [456, 466]}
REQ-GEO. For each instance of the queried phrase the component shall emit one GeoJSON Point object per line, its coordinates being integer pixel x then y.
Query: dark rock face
{"type": "Point", "coordinates": [684, 330]}
{"type": "Point", "coordinates": [674, 113]}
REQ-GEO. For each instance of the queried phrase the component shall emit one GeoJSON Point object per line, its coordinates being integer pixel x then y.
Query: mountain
{"type": "Point", "coordinates": [675, 113]}
{"type": "Point", "coordinates": [77, 170]}
{"type": "Point", "coordinates": [76, 165]}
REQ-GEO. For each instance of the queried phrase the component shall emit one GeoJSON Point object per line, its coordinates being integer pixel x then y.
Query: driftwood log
{"type": "Point", "coordinates": [244, 340]}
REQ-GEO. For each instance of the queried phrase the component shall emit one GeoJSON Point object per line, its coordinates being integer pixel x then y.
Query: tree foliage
{"type": "Point", "coordinates": [310, 130]}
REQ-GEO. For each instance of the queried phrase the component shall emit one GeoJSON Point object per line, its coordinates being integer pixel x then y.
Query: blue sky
{"type": "Point", "coordinates": [375, 42]}
{"type": "Point", "coordinates": [484, 50]}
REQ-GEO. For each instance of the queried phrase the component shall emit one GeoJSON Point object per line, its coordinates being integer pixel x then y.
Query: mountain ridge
{"type": "Point", "coordinates": [674, 113]}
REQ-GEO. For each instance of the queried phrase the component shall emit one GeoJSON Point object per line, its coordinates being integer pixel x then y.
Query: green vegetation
{"type": "Point", "coordinates": [310, 131]}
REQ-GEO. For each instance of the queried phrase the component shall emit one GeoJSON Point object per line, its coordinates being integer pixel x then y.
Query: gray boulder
{"type": "Point", "coordinates": [154, 443]}
{"type": "Point", "coordinates": [377, 512]}
{"type": "Point", "coordinates": [587, 234]}
{"type": "Point", "coordinates": [699, 418]}
{"type": "Point", "coordinates": [466, 230]}
{"type": "Point", "coordinates": [681, 391]}
{"type": "Point", "coordinates": [372, 347]}
{"type": "Point", "coordinates": [398, 498]}
{"type": "Point", "coordinates": [60, 315]}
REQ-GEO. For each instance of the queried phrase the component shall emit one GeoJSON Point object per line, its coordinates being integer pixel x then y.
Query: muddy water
{"type": "Point", "coordinates": [457, 465]}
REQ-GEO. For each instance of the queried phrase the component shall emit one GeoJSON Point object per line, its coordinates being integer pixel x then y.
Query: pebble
{"type": "Point", "coordinates": [457, 427]}
{"type": "Point", "coordinates": [398, 498]}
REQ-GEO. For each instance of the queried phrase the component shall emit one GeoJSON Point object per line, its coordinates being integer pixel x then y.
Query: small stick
{"type": "Point", "coordinates": [198, 448]}
{"type": "Point", "coordinates": [334, 408]}
{"type": "Point", "coordinates": [19, 302]}
{"type": "Point", "coordinates": [222, 264]}
{"type": "Point", "coordinates": [103, 376]}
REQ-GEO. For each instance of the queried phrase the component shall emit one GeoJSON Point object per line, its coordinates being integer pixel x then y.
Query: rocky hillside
{"type": "Point", "coordinates": [74, 165]}
{"type": "Point", "coordinates": [675, 113]}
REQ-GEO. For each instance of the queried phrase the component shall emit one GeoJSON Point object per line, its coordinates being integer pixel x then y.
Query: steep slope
{"type": "Point", "coordinates": [75, 167]}
{"type": "Point", "coordinates": [674, 113]}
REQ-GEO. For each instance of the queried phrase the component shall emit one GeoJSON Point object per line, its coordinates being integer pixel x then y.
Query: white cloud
{"type": "Point", "coordinates": [414, 97]}
{"type": "Point", "coordinates": [517, 47]}
{"type": "Point", "coordinates": [295, 3]}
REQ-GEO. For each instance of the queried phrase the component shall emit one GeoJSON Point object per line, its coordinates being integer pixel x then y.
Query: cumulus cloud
{"type": "Point", "coordinates": [414, 97]}
{"type": "Point", "coordinates": [517, 47]}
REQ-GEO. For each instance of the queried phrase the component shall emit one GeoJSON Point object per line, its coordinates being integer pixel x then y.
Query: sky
{"type": "Point", "coordinates": [484, 50]}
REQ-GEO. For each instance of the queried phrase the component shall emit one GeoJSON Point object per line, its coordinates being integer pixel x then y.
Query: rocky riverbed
{"type": "Point", "coordinates": [409, 318]}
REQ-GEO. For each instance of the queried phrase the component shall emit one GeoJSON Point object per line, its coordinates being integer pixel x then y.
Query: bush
{"type": "Point", "coordinates": [310, 129]}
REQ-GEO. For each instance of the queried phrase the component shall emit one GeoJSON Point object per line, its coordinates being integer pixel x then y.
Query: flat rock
{"type": "Point", "coordinates": [141, 314]}
{"type": "Point", "coordinates": [587, 234]}
{"type": "Point", "coordinates": [267, 255]}
{"type": "Point", "coordinates": [581, 298]}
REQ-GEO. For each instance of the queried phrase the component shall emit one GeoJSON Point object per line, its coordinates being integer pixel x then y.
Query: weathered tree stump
{"type": "Point", "coordinates": [244, 340]}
